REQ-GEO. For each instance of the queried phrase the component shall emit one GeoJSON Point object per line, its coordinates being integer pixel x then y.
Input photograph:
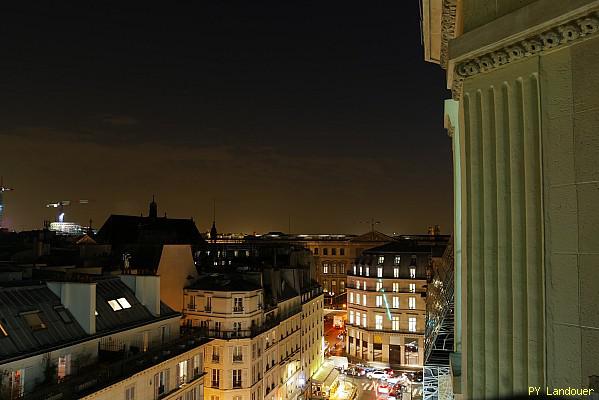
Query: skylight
{"type": "Point", "coordinates": [123, 302]}
{"type": "Point", "coordinates": [115, 305]}
{"type": "Point", "coordinates": [63, 314]}
{"type": "Point", "coordinates": [34, 320]}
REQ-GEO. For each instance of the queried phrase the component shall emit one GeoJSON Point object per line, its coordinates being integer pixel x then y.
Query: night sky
{"type": "Point", "coordinates": [323, 112]}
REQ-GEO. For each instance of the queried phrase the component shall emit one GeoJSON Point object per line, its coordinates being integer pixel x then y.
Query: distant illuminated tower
{"type": "Point", "coordinates": [213, 231]}
{"type": "Point", "coordinates": [2, 190]}
{"type": "Point", "coordinates": [153, 208]}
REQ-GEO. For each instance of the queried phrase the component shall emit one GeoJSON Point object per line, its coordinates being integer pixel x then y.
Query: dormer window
{"type": "Point", "coordinates": [381, 260]}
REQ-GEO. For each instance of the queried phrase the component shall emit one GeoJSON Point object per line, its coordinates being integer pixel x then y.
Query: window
{"type": "Point", "coordinates": [130, 393]}
{"type": "Point", "coordinates": [396, 260]}
{"type": "Point", "coordinates": [351, 297]}
{"type": "Point", "coordinates": [395, 287]}
{"type": "Point", "coordinates": [316, 251]}
{"type": "Point", "coordinates": [379, 286]}
{"type": "Point", "coordinates": [395, 302]}
{"type": "Point", "coordinates": [63, 314]}
{"type": "Point", "coordinates": [395, 323]}
{"type": "Point", "coordinates": [358, 318]}
{"type": "Point", "coordinates": [355, 270]}
{"type": "Point", "coordinates": [361, 271]}
{"type": "Point", "coordinates": [325, 285]}
{"type": "Point", "coordinates": [161, 383]}
{"type": "Point", "coordinates": [208, 304]}
{"type": "Point", "coordinates": [34, 320]}
{"type": "Point", "coordinates": [63, 367]}
{"type": "Point", "coordinates": [364, 285]}
{"type": "Point", "coordinates": [236, 378]}
{"type": "Point", "coordinates": [379, 301]}
{"type": "Point", "coordinates": [358, 298]}
{"type": "Point", "coordinates": [396, 272]}
{"type": "Point", "coordinates": [412, 303]}
{"type": "Point", "coordinates": [114, 305]}
{"type": "Point", "coordinates": [192, 302]}
{"type": "Point", "coordinates": [412, 288]}
{"type": "Point", "coordinates": [123, 302]}
{"type": "Point", "coordinates": [325, 268]}
{"type": "Point", "coordinates": [378, 322]}
{"type": "Point", "coordinates": [364, 320]}
{"type": "Point", "coordinates": [412, 324]}
{"type": "Point", "coordinates": [351, 316]}
{"type": "Point", "coordinates": [381, 260]}
{"type": "Point", "coordinates": [379, 272]}
{"type": "Point", "coordinates": [237, 326]}
{"type": "Point", "coordinates": [238, 304]}
{"type": "Point", "coordinates": [341, 252]}
{"type": "Point", "coordinates": [333, 286]}
{"type": "Point", "coordinates": [412, 272]}
{"type": "Point", "coordinates": [364, 299]}
{"type": "Point", "coordinates": [342, 286]}
{"type": "Point", "coordinates": [237, 354]}
{"type": "Point", "coordinates": [325, 251]}
{"type": "Point", "coordinates": [334, 268]}
{"type": "Point", "coordinates": [215, 378]}
{"type": "Point", "coordinates": [357, 284]}
{"type": "Point", "coordinates": [367, 271]}
{"type": "Point", "coordinates": [334, 251]}
{"type": "Point", "coordinates": [181, 373]}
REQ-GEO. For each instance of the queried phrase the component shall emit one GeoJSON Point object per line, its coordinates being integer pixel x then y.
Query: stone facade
{"type": "Point", "coordinates": [524, 129]}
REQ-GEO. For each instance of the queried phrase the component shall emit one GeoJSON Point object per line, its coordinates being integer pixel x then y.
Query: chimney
{"type": "Point", "coordinates": [437, 230]}
{"type": "Point", "coordinates": [146, 289]}
{"type": "Point", "coordinates": [80, 299]}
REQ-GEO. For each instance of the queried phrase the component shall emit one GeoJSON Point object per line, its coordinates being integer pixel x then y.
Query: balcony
{"type": "Point", "coordinates": [237, 384]}
{"type": "Point", "coordinates": [208, 308]}
{"type": "Point", "coordinates": [215, 384]}
{"type": "Point", "coordinates": [237, 358]}
{"type": "Point", "coordinates": [400, 331]}
{"type": "Point", "coordinates": [215, 358]}
{"type": "Point", "coordinates": [237, 309]}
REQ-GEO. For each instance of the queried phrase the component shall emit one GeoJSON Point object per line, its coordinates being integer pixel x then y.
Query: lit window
{"type": "Point", "coordinates": [396, 287]}
{"type": "Point", "coordinates": [351, 297]}
{"type": "Point", "coordinates": [334, 268]}
{"type": "Point", "coordinates": [379, 301]}
{"type": "Point", "coordinates": [381, 259]}
{"type": "Point", "coordinates": [361, 270]}
{"type": "Point", "coordinates": [379, 286]}
{"type": "Point", "coordinates": [355, 270]}
{"type": "Point", "coordinates": [412, 303]}
{"type": "Point", "coordinates": [396, 260]}
{"type": "Point", "coordinates": [357, 284]}
{"type": "Point", "coordinates": [2, 330]}
{"type": "Point", "coordinates": [412, 288]}
{"type": "Point", "coordinates": [396, 272]}
{"type": "Point", "coordinates": [358, 298]}
{"type": "Point", "coordinates": [351, 316]}
{"type": "Point", "coordinates": [367, 271]}
{"type": "Point", "coordinates": [378, 321]}
{"type": "Point", "coordinates": [412, 324]}
{"type": "Point", "coordinates": [358, 318]}
{"type": "Point", "coordinates": [395, 323]}
{"type": "Point", "coordinates": [395, 302]}
{"type": "Point", "coordinates": [364, 299]}
{"type": "Point", "coordinates": [379, 272]}
{"type": "Point", "coordinates": [342, 286]}
{"type": "Point", "coordinates": [412, 272]}
{"type": "Point", "coordinates": [325, 268]}
{"type": "Point", "coordinates": [364, 320]}
{"type": "Point", "coordinates": [114, 305]}
{"type": "Point", "coordinates": [33, 320]}
{"type": "Point", "coordinates": [364, 285]}
{"type": "Point", "coordinates": [123, 302]}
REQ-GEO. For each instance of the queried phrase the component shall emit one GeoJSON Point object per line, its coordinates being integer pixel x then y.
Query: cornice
{"type": "Point", "coordinates": [561, 35]}
{"type": "Point", "coordinates": [448, 29]}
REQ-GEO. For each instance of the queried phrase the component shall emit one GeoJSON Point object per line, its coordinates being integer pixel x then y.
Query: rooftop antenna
{"type": "Point", "coordinates": [372, 223]}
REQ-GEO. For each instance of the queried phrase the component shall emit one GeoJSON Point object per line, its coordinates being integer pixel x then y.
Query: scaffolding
{"type": "Point", "coordinates": [439, 334]}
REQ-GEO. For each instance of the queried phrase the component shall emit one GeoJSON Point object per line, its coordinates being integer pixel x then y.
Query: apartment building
{"type": "Point", "coordinates": [95, 338]}
{"type": "Point", "coordinates": [386, 291]}
{"type": "Point", "coordinates": [256, 320]}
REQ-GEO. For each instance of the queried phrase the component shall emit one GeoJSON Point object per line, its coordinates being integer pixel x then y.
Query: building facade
{"type": "Point", "coordinates": [386, 302]}
{"type": "Point", "coordinates": [524, 131]}
{"type": "Point", "coordinates": [263, 347]}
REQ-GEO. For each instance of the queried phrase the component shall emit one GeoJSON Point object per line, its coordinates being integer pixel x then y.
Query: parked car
{"type": "Point", "coordinates": [389, 371]}
{"type": "Point", "coordinates": [355, 371]}
{"type": "Point", "coordinates": [377, 374]}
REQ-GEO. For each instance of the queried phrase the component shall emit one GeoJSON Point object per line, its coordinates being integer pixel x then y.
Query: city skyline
{"type": "Point", "coordinates": [316, 114]}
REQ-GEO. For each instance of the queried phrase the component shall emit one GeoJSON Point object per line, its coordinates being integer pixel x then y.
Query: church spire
{"type": "Point", "coordinates": [153, 208]}
{"type": "Point", "coordinates": [213, 231]}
